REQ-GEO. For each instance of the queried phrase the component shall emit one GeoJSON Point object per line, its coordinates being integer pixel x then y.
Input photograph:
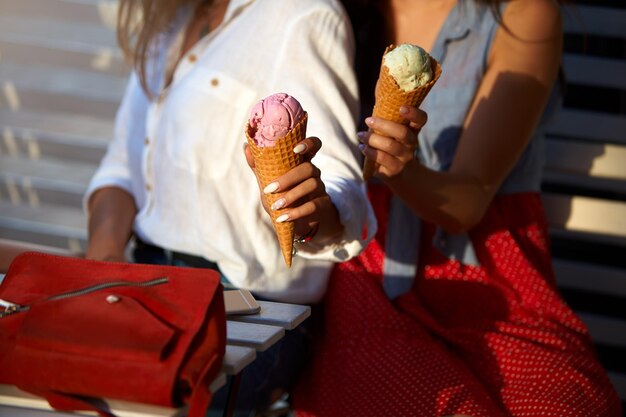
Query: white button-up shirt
{"type": "Point", "coordinates": [180, 155]}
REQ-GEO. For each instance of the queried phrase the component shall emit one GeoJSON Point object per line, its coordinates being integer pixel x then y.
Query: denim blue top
{"type": "Point", "coordinates": [462, 48]}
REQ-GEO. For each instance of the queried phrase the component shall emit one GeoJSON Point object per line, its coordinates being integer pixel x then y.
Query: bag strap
{"type": "Point", "coordinates": [201, 395]}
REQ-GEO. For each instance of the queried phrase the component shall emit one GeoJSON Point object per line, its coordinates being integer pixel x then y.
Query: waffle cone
{"type": "Point", "coordinates": [270, 163]}
{"type": "Point", "coordinates": [390, 97]}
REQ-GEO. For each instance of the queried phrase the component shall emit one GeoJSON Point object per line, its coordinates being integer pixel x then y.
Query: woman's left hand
{"type": "Point", "coordinates": [305, 199]}
{"type": "Point", "coordinates": [391, 145]}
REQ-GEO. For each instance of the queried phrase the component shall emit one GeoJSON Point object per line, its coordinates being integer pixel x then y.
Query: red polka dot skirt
{"type": "Point", "coordinates": [490, 340]}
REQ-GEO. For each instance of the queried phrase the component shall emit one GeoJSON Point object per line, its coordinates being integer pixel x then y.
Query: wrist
{"type": "Point", "coordinates": [308, 235]}
{"type": "Point", "coordinates": [406, 177]}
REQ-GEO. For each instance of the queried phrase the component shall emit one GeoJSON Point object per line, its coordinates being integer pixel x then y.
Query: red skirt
{"type": "Point", "coordinates": [489, 340]}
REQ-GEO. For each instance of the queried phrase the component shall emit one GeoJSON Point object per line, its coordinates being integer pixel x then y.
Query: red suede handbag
{"type": "Point", "coordinates": [76, 331]}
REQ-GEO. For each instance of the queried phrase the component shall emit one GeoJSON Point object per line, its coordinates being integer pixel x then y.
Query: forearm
{"type": "Point", "coordinates": [112, 211]}
{"type": "Point", "coordinates": [455, 202]}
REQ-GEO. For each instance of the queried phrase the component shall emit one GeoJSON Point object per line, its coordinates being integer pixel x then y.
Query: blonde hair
{"type": "Point", "coordinates": [138, 24]}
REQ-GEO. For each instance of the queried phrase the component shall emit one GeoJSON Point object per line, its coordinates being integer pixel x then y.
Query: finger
{"type": "Point", "coordinates": [386, 164]}
{"type": "Point", "coordinates": [308, 147]}
{"type": "Point", "coordinates": [402, 133]}
{"type": "Point", "coordinates": [388, 145]}
{"type": "Point", "coordinates": [308, 210]}
{"type": "Point", "coordinates": [249, 157]}
{"type": "Point", "coordinates": [363, 136]}
{"type": "Point", "coordinates": [293, 177]}
{"type": "Point", "coordinates": [250, 160]}
{"type": "Point", "coordinates": [415, 116]}
{"type": "Point", "coordinates": [307, 190]}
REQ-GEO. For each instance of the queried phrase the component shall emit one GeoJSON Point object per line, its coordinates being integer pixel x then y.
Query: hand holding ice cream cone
{"type": "Point", "coordinates": [276, 125]}
{"type": "Point", "coordinates": [407, 74]}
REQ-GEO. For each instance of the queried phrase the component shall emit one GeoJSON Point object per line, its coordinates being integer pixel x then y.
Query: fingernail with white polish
{"type": "Point", "coordinates": [300, 147]}
{"type": "Point", "coordinates": [280, 203]}
{"type": "Point", "coordinates": [282, 218]}
{"type": "Point", "coordinates": [369, 121]}
{"type": "Point", "coordinates": [404, 110]}
{"type": "Point", "coordinates": [271, 187]}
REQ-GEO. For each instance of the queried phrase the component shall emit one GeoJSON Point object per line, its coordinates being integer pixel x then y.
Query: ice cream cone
{"type": "Point", "coordinates": [390, 97]}
{"type": "Point", "coordinates": [272, 162]}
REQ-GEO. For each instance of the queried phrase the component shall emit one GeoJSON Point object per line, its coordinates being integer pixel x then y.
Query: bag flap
{"type": "Point", "coordinates": [34, 276]}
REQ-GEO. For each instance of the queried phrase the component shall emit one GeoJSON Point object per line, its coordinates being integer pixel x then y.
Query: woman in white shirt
{"type": "Point", "coordinates": [175, 175]}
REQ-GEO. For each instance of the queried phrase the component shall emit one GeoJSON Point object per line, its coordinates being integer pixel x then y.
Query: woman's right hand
{"type": "Point", "coordinates": [392, 146]}
{"type": "Point", "coordinates": [305, 199]}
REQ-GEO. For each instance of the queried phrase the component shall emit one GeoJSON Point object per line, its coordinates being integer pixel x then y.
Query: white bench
{"type": "Point", "coordinates": [585, 180]}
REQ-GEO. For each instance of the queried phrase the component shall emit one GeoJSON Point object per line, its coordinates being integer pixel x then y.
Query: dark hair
{"type": "Point", "coordinates": [373, 33]}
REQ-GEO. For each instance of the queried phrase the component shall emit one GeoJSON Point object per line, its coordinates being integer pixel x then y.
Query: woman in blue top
{"type": "Point", "coordinates": [453, 308]}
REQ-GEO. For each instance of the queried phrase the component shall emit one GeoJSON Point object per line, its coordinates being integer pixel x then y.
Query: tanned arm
{"type": "Point", "coordinates": [522, 67]}
{"type": "Point", "coordinates": [112, 211]}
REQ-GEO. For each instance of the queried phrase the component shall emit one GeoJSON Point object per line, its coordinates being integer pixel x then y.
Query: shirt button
{"type": "Point", "coordinates": [215, 82]}
{"type": "Point", "coordinates": [146, 141]}
{"type": "Point", "coordinates": [148, 187]}
{"type": "Point", "coordinates": [192, 58]}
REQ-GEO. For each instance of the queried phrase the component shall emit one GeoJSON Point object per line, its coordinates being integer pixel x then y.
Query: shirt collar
{"type": "Point", "coordinates": [460, 21]}
{"type": "Point", "coordinates": [234, 7]}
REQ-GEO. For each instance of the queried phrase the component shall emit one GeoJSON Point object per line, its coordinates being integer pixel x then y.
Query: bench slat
{"type": "Point", "coordinates": [83, 84]}
{"type": "Point", "coordinates": [237, 358]}
{"type": "Point", "coordinates": [288, 316]}
{"type": "Point", "coordinates": [44, 31]}
{"type": "Point", "coordinates": [588, 277]}
{"type": "Point", "coordinates": [73, 11]}
{"type": "Point", "coordinates": [599, 127]}
{"type": "Point", "coordinates": [257, 336]}
{"type": "Point", "coordinates": [584, 158]}
{"type": "Point", "coordinates": [74, 177]}
{"type": "Point", "coordinates": [9, 411]}
{"type": "Point", "coordinates": [72, 223]}
{"type": "Point", "coordinates": [595, 20]}
{"type": "Point", "coordinates": [587, 215]}
{"type": "Point", "coordinates": [73, 128]}
{"type": "Point", "coordinates": [583, 181]}
{"type": "Point", "coordinates": [31, 52]}
{"type": "Point", "coordinates": [619, 382]}
{"type": "Point", "coordinates": [595, 71]}
{"type": "Point", "coordinates": [40, 135]}
{"type": "Point", "coordinates": [605, 330]}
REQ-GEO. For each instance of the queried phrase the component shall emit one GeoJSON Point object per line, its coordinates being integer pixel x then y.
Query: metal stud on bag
{"type": "Point", "coordinates": [112, 299]}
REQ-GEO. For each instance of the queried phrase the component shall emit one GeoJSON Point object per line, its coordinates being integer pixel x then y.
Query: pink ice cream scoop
{"type": "Point", "coordinates": [272, 117]}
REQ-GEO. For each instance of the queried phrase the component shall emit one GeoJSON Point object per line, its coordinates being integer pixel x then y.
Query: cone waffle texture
{"type": "Point", "coordinates": [270, 163]}
{"type": "Point", "coordinates": [390, 97]}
